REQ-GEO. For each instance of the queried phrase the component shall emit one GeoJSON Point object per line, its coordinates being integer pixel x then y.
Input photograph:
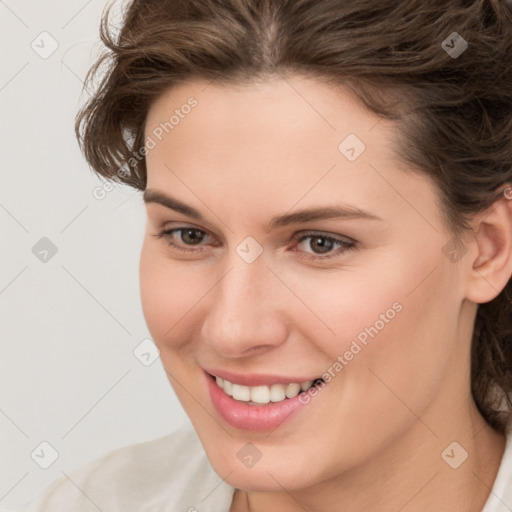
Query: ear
{"type": "Point", "coordinates": [491, 262]}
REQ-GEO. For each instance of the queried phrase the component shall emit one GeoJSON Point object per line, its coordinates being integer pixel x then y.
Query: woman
{"type": "Point", "coordinates": [327, 261]}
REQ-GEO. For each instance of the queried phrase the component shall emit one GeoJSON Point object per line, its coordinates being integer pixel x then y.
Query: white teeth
{"type": "Point", "coordinates": [277, 393]}
{"type": "Point", "coordinates": [227, 387]}
{"type": "Point", "coordinates": [262, 394]}
{"type": "Point", "coordinates": [241, 392]}
{"type": "Point", "coordinates": [292, 390]}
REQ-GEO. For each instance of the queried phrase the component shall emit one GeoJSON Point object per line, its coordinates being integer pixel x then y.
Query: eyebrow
{"type": "Point", "coordinates": [302, 216]}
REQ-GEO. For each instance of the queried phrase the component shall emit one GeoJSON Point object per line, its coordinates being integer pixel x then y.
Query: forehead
{"type": "Point", "coordinates": [273, 144]}
{"type": "Point", "coordinates": [261, 125]}
{"type": "Point", "coordinates": [277, 105]}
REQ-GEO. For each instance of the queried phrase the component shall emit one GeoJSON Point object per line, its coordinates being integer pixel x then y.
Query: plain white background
{"type": "Point", "coordinates": [71, 385]}
{"type": "Point", "coordinates": [69, 324]}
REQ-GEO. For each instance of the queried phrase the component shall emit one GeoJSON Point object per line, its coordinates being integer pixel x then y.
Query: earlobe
{"type": "Point", "coordinates": [491, 267]}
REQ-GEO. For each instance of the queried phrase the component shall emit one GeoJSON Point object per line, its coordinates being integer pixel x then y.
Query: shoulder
{"type": "Point", "coordinates": [168, 473]}
{"type": "Point", "coordinates": [500, 497]}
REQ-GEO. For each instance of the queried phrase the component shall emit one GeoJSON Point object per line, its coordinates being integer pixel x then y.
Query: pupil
{"type": "Point", "coordinates": [189, 237]}
{"type": "Point", "coordinates": [323, 244]}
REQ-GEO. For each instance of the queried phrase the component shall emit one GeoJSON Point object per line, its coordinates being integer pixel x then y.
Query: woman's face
{"type": "Point", "coordinates": [300, 254]}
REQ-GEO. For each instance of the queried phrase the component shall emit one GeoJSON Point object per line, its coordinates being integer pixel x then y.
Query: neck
{"type": "Point", "coordinates": [409, 474]}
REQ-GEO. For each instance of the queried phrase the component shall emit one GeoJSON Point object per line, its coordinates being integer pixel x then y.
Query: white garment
{"type": "Point", "coordinates": [172, 474]}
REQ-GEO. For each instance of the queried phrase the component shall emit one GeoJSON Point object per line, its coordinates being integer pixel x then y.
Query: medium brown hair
{"type": "Point", "coordinates": [453, 111]}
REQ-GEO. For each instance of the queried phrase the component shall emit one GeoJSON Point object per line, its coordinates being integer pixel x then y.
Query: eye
{"type": "Point", "coordinates": [323, 246]}
{"type": "Point", "coordinates": [314, 245]}
{"type": "Point", "coordinates": [183, 235]}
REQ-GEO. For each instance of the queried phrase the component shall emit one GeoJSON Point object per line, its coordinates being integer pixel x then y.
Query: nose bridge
{"type": "Point", "coordinates": [241, 312]}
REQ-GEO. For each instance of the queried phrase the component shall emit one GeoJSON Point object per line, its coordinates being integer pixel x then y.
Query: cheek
{"type": "Point", "coordinates": [418, 357]}
{"type": "Point", "coordinates": [394, 313]}
{"type": "Point", "coordinates": [167, 294]}
{"type": "Point", "coordinates": [361, 304]}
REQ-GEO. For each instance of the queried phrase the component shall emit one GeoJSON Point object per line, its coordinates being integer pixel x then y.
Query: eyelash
{"type": "Point", "coordinates": [346, 245]}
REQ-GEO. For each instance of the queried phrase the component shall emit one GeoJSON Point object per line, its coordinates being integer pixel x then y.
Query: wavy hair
{"type": "Point", "coordinates": [405, 61]}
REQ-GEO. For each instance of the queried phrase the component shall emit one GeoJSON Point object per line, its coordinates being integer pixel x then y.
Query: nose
{"type": "Point", "coordinates": [245, 315]}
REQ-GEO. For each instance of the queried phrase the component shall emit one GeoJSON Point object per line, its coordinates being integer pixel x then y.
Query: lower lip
{"type": "Point", "coordinates": [252, 417]}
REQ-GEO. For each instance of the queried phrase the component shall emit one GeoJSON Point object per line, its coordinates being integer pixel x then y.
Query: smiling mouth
{"type": "Point", "coordinates": [261, 395]}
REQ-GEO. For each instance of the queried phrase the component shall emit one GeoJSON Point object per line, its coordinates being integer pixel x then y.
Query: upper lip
{"type": "Point", "coordinates": [256, 379]}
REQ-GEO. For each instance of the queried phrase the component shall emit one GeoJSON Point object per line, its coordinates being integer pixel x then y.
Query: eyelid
{"type": "Point", "coordinates": [168, 230]}
{"type": "Point", "coordinates": [177, 225]}
{"type": "Point", "coordinates": [311, 232]}
{"type": "Point", "coordinates": [325, 234]}
{"type": "Point", "coordinates": [346, 243]}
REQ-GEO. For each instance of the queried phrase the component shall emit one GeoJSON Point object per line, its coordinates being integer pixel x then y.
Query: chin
{"type": "Point", "coordinates": [259, 481]}
{"type": "Point", "coordinates": [273, 474]}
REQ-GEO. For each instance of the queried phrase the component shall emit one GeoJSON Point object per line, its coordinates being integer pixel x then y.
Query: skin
{"type": "Point", "coordinates": [374, 436]}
